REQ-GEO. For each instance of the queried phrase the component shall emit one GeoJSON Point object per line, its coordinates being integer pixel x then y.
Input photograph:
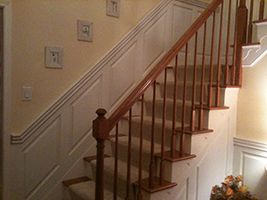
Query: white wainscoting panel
{"type": "Point", "coordinates": [52, 149]}
{"type": "Point", "coordinates": [83, 110]}
{"type": "Point", "coordinates": [154, 42]}
{"type": "Point", "coordinates": [42, 156]}
{"type": "Point", "coordinates": [250, 159]}
{"type": "Point", "coordinates": [122, 75]}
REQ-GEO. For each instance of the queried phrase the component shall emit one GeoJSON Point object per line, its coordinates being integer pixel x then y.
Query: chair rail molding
{"type": "Point", "coordinates": [68, 121]}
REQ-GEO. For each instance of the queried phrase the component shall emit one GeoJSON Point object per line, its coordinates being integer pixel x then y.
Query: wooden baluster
{"type": "Point", "coordinates": [139, 193]}
{"type": "Point", "coordinates": [182, 140]}
{"type": "Point", "coordinates": [211, 61]}
{"type": "Point", "coordinates": [218, 85]}
{"type": "Point", "coordinates": [242, 13]}
{"type": "Point", "coordinates": [200, 123]}
{"type": "Point", "coordinates": [152, 163]}
{"type": "Point", "coordinates": [228, 45]}
{"type": "Point", "coordinates": [261, 13]}
{"type": "Point", "coordinates": [233, 82]}
{"type": "Point", "coordinates": [100, 133]}
{"type": "Point", "coordinates": [115, 188]}
{"type": "Point", "coordinates": [162, 162]}
{"type": "Point", "coordinates": [128, 186]}
{"type": "Point", "coordinates": [174, 114]}
{"type": "Point", "coordinates": [250, 21]}
{"type": "Point", "coordinates": [193, 112]}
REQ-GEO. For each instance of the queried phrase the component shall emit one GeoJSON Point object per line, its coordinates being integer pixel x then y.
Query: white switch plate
{"type": "Point", "coordinates": [113, 8]}
{"type": "Point", "coordinates": [26, 93]}
{"type": "Point", "coordinates": [54, 57]}
{"type": "Point", "coordinates": [85, 31]}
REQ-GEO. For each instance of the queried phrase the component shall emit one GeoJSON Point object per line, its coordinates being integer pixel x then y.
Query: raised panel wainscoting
{"type": "Point", "coordinates": [250, 159]}
{"type": "Point", "coordinates": [52, 148]}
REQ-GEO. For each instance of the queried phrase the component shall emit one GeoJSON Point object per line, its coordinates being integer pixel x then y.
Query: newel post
{"type": "Point", "coordinates": [100, 133]}
{"type": "Point", "coordinates": [241, 33]}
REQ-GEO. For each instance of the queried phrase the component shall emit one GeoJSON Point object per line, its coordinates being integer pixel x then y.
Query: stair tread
{"type": "Point", "coordinates": [76, 180]}
{"type": "Point", "coordinates": [122, 169]}
{"type": "Point", "coordinates": [86, 191]}
{"type": "Point", "coordinates": [262, 21]}
{"type": "Point", "coordinates": [135, 144]}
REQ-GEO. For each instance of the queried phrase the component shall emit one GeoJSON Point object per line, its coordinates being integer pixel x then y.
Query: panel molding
{"type": "Point", "coordinates": [22, 137]}
{"type": "Point", "coordinates": [250, 144]}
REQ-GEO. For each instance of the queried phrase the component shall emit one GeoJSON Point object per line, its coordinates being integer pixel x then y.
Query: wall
{"type": "Point", "coordinates": [252, 108]}
{"type": "Point", "coordinates": [37, 24]}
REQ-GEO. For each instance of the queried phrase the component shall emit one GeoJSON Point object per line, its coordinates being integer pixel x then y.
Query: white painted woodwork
{"type": "Point", "coordinates": [254, 53]}
{"type": "Point", "coordinates": [52, 149]}
{"type": "Point", "coordinates": [250, 159]}
{"type": "Point", "coordinates": [7, 66]}
{"type": "Point", "coordinates": [122, 74]}
{"type": "Point", "coordinates": [83, 111]}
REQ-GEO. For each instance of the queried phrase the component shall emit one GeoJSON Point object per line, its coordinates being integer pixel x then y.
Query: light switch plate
{"type": "Point", "coordinates": [54, 57]}
{"type": "Point", "coordinates": [85, 31]}
{"type": "Point", "coordinates": [113, 8]}
{"type": "Point", "coordinates": [26, 93]}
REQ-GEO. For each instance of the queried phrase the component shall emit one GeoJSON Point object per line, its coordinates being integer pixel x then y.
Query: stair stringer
{"type": "Point", "coordinates": [255, 52]}
{"type": "Point", "coordinates": [214, 152]}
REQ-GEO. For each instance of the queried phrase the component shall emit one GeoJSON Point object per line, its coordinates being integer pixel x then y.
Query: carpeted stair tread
{"type": "Point", "coordinates": [86, 191]}
{"type": "Point", "coordinates": [121, 176]}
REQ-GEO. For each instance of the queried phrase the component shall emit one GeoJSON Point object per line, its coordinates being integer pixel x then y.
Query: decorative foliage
{"type": "Point", "coordinates": [231, 189]}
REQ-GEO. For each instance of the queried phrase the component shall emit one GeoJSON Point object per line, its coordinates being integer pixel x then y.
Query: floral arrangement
{"type": "Point", "coordinates": [231, 189]}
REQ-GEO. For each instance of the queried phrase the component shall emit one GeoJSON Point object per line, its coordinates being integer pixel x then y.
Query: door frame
{"type": "Point", "coordinates": [7, 67]}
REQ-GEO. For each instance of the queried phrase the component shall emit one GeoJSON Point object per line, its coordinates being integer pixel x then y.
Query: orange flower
{"type": "Point", "coordinates": [239, 178]}
{"type": "Point", "coordinates": [214, 189]}
{"type": "Point", "coordinates": [243, 188]}
{"type": "Point", "coordinates": [229, 192]}
{"type": "Point", "coordinates": [228, 179]}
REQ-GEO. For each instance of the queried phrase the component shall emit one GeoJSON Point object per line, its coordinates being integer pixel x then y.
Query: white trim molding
{"type": "Point", "coordinates": [7, 67]}
{"type": "Point", "coordinates": [22, 137]}
{"type": "Point", "coordinates": [250, 160]}
{"type": "Point", "coordinates": [250, 144]}
{"type": "Point", "coordinates": [69, 119]}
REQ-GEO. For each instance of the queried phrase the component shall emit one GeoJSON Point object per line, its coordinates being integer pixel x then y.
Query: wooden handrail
{"type": "Point", "coordinates": [102, 126]}
{"type": "Point", "coordinates": [162, 64]}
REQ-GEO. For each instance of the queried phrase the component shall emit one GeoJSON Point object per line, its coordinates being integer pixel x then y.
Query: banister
{"type": "Point", "coordinates": [162, 64]}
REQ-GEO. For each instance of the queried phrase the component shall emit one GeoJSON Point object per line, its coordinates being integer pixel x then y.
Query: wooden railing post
{"type": "Point", "coordinates": [100, 133]}
{"type": "Point", "coordinates": [242, 17]}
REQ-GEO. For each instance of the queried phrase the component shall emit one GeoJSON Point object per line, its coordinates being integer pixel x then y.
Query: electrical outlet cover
{"type": "Point", "coordinates": [54, 57]}
{"type": "Point", "coordinates": [85, 31]}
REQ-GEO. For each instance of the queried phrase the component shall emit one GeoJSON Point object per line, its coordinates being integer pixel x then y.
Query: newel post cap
{"type": "Point", "coordinates": [101, 125]}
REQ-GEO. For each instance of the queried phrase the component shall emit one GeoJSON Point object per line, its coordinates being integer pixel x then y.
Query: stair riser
{"type": "Point", "coordinates": [169, 110]}
{"type": "Point", "coordinates": [135, 159]}
{"type": "Point", "coordinates": [157, 134]}
{"type": "Point", "coordinates": [190, 74]}
{"type": "Point", "coordinates": [180, 91]}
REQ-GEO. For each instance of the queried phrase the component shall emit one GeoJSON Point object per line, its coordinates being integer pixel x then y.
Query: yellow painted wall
{"type": "Point", "coordinates": [41, 23]}
{"type": "Point", "coordinates": [252, 103]}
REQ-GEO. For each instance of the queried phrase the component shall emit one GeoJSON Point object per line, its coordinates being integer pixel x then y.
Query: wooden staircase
{"type": "Point", "coordinates": [156, 124]}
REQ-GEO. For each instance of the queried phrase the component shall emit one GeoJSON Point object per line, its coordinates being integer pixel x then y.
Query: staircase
{"type": "Point", "coordinates": [174, 117]}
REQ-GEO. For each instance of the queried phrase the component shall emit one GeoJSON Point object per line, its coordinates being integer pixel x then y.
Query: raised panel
{"type": "Point", "coordinates": [154, 42]}
{"type": "Point", "coordinates": [255, 176]}
{"type": "Point", "coordinates": [83, 111]}
{"type": "Point", "coordinates": [122, 74]}
{"type": "Point", "coordinates": [41, 157]}
{"type": "Point", "coordinates": [214, 162]}
{"type": "Point", "coordinates": [180, 25]}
